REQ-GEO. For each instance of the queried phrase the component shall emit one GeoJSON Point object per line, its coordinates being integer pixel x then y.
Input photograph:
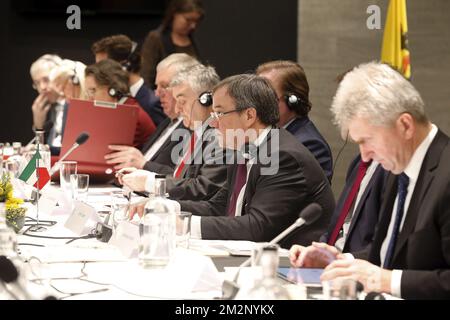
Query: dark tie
{"type": "Point", "coordinates": [349, 201]}
{"type": "Point", "coordinates": [403, 182]}
{"type": "Point", "coordinates": [239, 182]}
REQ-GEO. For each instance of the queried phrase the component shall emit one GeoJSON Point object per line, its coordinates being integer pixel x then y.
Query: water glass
{"type": "Point", "coordinates": [119, 208]}
{"type": "Point", "coordinates": [183, 229]}
{"type": "Point", "coordinates": [67, 168]}
{"type": "Point", "coordinates": [80, 186]}
{"type": "Point", "coordinates": [340, 289]}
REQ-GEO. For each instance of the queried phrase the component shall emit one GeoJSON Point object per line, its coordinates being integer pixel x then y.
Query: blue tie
{"type": "Point", "coordinates": [403, 182]}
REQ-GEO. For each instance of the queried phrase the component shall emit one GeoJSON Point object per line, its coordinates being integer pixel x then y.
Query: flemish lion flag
{"type": "Point", "coordinates": [395, 50]}
{"type": "Point", "coordinates": [31, 172]}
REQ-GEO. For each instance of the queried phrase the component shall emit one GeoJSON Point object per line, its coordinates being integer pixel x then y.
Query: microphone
{"type": "Point", "coordinates": [82, 138]}
{"type": "Point", "coordinates": [10, 276]}
{"type": "Point", "coordinates": [47, 126]}
{"type": "Point", "coordinates": [306, 217]}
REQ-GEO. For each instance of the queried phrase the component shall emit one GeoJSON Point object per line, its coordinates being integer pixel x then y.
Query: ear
{"type": "Point", "coordinates": [250, 116]}
{"type": "Point", "coordinates": [406, 125]}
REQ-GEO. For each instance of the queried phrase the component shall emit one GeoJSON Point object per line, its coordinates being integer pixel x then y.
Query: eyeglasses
{"type": "Point", "coordinates": [40, 82]}
{"type": "Point", "coordinates": [217, 115]}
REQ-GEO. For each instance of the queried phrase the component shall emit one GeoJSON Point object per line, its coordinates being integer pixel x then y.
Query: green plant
{"type": "Point", "coordinates": [15, 214]}
{"type": "Point", "coordinates": [6, 189]}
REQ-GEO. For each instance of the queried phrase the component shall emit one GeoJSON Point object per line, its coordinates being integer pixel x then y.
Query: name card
{"type": "Point", "coordinates": [79, 217]}
{"type": "Point", "coordinates": [49, 199]}
{"type": "Point", "coordinates": [126, 238]}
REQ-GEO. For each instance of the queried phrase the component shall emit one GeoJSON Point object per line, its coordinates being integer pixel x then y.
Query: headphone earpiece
{"type": "Point", "coordinates": [126, 65]}
{"type": "Point", "coordinates": [75, 80]}
{"type": "Point", "coordinates": [297, 104]}
{"type": "Point", "coordinates": [292, 101]}
{"type": "Point", "coordinates": [206, 99]}
{"type": "Point", "coordinates": [115, 93]}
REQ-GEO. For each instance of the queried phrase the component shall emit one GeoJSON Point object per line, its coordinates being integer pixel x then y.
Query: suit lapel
{"type": "Point", "coordinates": [364, 196]}
{"type": "Point", "coordinates": [426, 176]}
{"type": "Point", "coordinates": [156, 135]}
{"type": "Point", "coordinates": [254, 173]}
{"type": "Point", "coordinates": [386, 213]}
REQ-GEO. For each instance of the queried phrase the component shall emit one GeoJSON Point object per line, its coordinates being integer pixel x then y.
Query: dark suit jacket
{"type": "Point", "coordinates": [271, 202]}
{"type": "Point", "coordinates": [203, 177]}
{"type": "Point", "coordinates": [306, 132]}
{"type": "Point", "coordinates": [365, 215]}
{"type": "Point", "coordinates": [199, 180]}
{"type": "Point", "coordinates": [150, 103]}
{"type": "Point", "coordinates": [422, 250]}
{"type": "Point", "coordinates": [51, 116]}
{"type": "Point", "coordinates": [161, 162]}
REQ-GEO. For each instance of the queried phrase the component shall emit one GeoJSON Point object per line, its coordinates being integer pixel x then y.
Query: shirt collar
{"type": "Point", "coordinates": [289, 122]}
{"type": "Point", "coordinates": [135, 87]}
{"type": "Point", "coordinates": [412, 170]}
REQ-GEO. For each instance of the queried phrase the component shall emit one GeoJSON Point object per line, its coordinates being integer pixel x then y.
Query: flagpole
{"type": "Point", "coordinates": [37, 227]}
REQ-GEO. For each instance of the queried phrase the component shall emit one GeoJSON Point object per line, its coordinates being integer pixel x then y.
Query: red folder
{"type": "Point", "coordinates": [107, 123]}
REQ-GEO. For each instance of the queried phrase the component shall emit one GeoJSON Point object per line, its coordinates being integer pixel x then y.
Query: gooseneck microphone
{"type": "Point", "coordinates": [306, 217]}
{"type": "Point", "coordinates": [82, 138]}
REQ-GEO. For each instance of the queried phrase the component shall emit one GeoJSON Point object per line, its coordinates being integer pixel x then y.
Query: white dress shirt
{"type": "Point", "coordinates": [196, 231]}
{"type": "Point", "coordinates": [135, 87]}
{"type": "Point", "coordinates": [56, 136]}
{"type": "Point", "coordinates": [167, 132]}
{"type": "Point", "coordinates": [412, 170]}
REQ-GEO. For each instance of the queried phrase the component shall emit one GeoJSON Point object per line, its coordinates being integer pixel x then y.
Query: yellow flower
{"type": "Point", "coordinates": [13, 203]}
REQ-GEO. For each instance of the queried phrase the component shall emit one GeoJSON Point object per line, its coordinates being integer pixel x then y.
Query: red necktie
{"type": "Point", "coordinates": [239, 182]}
{"type": "Point", "coordinates": [349, 201]}
{"type": "Point", "coordinates": [179, 169]}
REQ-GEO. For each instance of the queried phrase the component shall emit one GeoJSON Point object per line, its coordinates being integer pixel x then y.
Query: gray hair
{"type": "Point", "coordinates": [199, 77]}
{"type": "Point", "coordinates": [377, 92]}
{"type": "Point", "coordinates": [179, 61]}
{"type": "Point", "coordinates": [68, 69]}
{"type": "Point", "coordinates": [253, 91]}
{"type": "Point", "coordinates": [46, 62]}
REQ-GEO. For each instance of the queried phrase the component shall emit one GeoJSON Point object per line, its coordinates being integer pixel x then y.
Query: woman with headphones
{"type": "Point", "coordinates": [107, 81]}
{"type": "Point", "coordinates": [68, 79]}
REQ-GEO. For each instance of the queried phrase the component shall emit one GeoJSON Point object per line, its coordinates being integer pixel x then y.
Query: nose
{"type": "Point", "coordinates": [366, 153]}
{"type": "Point", "coordinates": [158, 92]}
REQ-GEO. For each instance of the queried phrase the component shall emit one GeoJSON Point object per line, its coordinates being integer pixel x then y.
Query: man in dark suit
{"type": "Point", "coordinates": [291, 86]}
{"type": "Point", "coordinates": [121, 49]}
{"type": "Point", "coordinates": [156, 153]}
{"type": "Point", "coordinates": [359, 226]}
{"type": "Point", "coordinates": [410, 255]}
{"type": "Point", "coordinates": [352, 226]}
{"type": "Point", "coordinates": [196, 175]}
{"type": "Point", "coordinates": [264, 194]}
{"type": "Point", "coordinates": [49, 106]}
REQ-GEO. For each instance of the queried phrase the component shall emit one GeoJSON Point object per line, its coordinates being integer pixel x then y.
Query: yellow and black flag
{"type": "Point", "coordinates": [395, 50]}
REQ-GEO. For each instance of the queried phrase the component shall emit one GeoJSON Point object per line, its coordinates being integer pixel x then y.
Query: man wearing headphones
{"type": "Point", "coordinates": [200, 171]}
{"type": "Point", "coordinates": [156, 154]}
{"type": "Point", "coordinates": [264, 193]}
{"type": "Point", "coordinates": [289, 81]}
{"type": "Point", "coordinates": [48, 105]}
{"type": "Point", "coordinates": [107, 81]}
{"type": "Point", "coordinates": [121, 49]}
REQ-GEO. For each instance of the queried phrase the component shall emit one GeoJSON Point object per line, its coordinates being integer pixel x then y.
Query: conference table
{"type": "Point", "coordinates": [52, 264]}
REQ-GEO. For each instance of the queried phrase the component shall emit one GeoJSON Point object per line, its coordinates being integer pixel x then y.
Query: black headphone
{"type": "Point", "coordinates": [206, 99]}
{"type": "Point", "coordinates": [126, 65]}
{"type": "Point", "coordinates": [74, 78]}
{"type": "Point", "coordinates": [294, 102]}
{"type": "Point", "coordinates": [114, 93]}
